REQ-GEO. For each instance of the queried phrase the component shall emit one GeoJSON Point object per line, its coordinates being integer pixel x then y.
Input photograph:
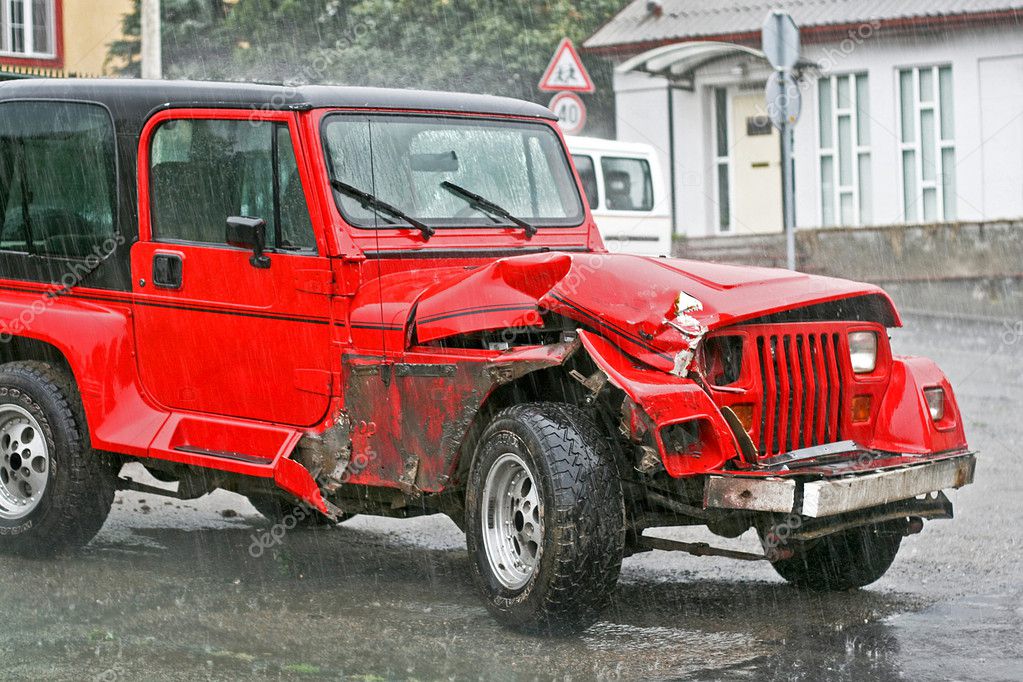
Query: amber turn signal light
{"type": "Point", "coordinates": [745, 415]}
{"type": "Point", "coordinates": [861, 405]}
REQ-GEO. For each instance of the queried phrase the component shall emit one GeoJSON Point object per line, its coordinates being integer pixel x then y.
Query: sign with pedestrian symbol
{"type": "Point", "coordinates": [566, 71]}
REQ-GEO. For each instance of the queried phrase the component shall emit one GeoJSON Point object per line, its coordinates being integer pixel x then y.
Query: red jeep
{"type": "Point", "coordinates": [359, 301]}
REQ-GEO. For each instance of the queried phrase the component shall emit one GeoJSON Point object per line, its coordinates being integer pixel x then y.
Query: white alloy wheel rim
{"type": "Point", "coordinates": [24, 463]}
{"type": "Point", "coordinates": [512, 521]}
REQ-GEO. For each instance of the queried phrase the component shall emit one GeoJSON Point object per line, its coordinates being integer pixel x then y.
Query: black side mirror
{"type": "Point", "coordinates": [249, 233]}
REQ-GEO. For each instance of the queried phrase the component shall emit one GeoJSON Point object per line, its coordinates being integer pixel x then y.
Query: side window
{"type": "Point", "coordinates": [203, 172]}
{"type": "Point", "coordinates": [296, 226]}
{"type": "Point", "coordinates": [588, 174]}
{"type": "Point", "coordinates": [628, 185]}
{"type": "Point", "coordinates": [58, 179]}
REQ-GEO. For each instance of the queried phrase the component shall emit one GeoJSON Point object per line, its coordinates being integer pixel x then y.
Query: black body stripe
{"type": "Point", "coordinates": [468, 312]}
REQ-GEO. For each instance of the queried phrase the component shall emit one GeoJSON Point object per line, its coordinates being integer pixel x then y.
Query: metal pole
{"type": "Point", "coordinates": [788, 194]}
{"type": "Point", "coordinates": [152, 48]}
{"type": "Point", "coordinates": [671, 162]}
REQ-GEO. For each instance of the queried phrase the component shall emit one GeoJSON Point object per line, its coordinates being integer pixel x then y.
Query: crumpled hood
{"type": "Point", "coordinates": [632, 300]}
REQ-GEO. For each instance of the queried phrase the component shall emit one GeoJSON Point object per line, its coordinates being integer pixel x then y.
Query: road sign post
{"type": "Point", "coordinates": [566, 72]}
{"type": "Point", "coordinates": [566, 75]}
{"type": "Point", "coordinates": [781, 45]}
{"type": "Point", "coordinates": [571, 112]}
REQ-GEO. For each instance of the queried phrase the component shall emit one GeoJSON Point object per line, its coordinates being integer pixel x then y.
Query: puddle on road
{"type": "Point", "coordinates": [957, 640]}
{"type": "Point", "coordinates": [178, 584]}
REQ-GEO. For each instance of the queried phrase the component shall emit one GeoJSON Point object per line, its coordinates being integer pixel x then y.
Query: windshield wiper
{"type": "Point", "coordinates": [485, 205]}
{"type": "Point", "coordinates": [373, 203]}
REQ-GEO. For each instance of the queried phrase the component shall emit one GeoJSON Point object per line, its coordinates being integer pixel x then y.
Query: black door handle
{"type": "Point", "coordinates": [167, 271]}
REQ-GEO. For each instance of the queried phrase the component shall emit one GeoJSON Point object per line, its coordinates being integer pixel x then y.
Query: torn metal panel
{"type": "Point", "coordinates": [518, 362]}
{"type": "Point", "coordinates": [407, 432]}
{"type": "Point", "coordinates": [327, 455]}
{"type": "Point", "coordinates": [691, 328]}
{"type": "Point", "coordinates": [407, 482]}
{"type": "Point", "coordinates": [667, 400]}
{"type": "Point", "coordinates": [937, 506]}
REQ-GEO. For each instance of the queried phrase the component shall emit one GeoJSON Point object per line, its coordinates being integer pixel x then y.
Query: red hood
{"type": "Point", "coordinates": [629, 299]}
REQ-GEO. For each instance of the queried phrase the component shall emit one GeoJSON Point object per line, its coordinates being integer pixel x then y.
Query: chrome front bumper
{"type": "Point", "coordinates": [817, 497]}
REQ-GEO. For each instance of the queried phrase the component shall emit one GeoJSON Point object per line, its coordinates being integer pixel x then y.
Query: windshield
{"type": "Point", "coordinates": [412, 162]}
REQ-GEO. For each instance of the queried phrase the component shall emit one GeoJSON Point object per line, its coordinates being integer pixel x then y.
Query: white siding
{"type": "Point", "coordinates": [987, 76]}
{"type": "Point", "coordinates": [980, 146]}
{"type": "Point", "coordinates": [641, 105]}
{"type": "Point", "coordinates": [1001, 125]}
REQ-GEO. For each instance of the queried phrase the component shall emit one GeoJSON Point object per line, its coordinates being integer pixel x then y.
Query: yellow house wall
{"type": "Point", "coordinates": [89, 27]}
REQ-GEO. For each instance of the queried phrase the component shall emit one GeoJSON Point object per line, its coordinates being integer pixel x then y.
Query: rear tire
{"type": "Point", "coordinates": [55, 491]}
{"type": "Point", "coordinates": [546, 519]}
{"type": "Point", "coordinates": [846, 560]}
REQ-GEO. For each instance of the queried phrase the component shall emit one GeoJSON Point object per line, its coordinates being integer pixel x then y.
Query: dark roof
{"type": "Point", "coordinates": [700, 19]}
{"type": "Point", "coordinates": [136, 99]}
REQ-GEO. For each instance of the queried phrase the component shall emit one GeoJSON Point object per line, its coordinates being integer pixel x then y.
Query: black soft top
{"type": "Point", "coordinates": [132, 101]}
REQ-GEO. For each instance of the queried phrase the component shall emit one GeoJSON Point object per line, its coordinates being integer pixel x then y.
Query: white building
{"type": "Point", "coordinates": [912, 110]}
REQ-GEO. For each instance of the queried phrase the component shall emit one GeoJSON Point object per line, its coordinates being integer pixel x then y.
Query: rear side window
{"type": "Point", "coordinates": [588, 175]}
{"type": "Point", "coordinates": [203, 172]}
{"type": "Point", "coordinates": [628, 185]}
{"type": "Point", "coordinates": [58, 179]}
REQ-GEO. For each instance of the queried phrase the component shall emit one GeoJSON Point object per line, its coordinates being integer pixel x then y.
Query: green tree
{"type": "Point", "coordinates": [195, 43]}
{"type": "Point", "coordinates": [485, 46]}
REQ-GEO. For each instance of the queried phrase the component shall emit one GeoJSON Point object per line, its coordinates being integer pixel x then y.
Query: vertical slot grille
{"type": "Point", "coordinates": [802, 399]}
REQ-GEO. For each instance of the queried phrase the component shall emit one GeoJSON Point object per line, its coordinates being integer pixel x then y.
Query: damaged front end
{"type": "Point", "coordinates": [737, 394]}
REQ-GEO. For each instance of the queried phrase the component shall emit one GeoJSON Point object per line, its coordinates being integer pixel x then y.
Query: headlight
{"type": "Point", "coordinates": [935, 402]}
{"type": "Point", "coordinates": [863, 351]}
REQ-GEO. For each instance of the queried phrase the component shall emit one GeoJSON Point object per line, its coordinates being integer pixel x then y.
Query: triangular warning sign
{"type": "Point", "coordinates": [566, 71]}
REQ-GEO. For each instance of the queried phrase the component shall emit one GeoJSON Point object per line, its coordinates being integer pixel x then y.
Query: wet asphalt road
{"type": "Point", "coordinates": [170, 590]}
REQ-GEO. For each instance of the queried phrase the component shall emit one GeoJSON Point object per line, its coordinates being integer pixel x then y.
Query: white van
{"type": "Point", "coordinates": [626, 192]}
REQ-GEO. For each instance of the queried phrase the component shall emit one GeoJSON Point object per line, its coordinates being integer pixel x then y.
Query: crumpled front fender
{"type": "Point", "coordinates": [666, 401]}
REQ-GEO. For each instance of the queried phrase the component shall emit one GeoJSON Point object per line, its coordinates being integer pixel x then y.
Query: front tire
{"type": "Point", "coordinates": [546, 519]}
{"type": "Point", "coordinates": [847, 560]}
{"type": "Point", "coordinates": [55, 491]}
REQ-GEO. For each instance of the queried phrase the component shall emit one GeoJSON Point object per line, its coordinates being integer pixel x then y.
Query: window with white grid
{"type": "Point", "coordinates": [927, 136]}
{"type": "Point", "coordinates": [844, 144]}
{"type": "Point", "coordinates": [722, 160]}
{"type": "Point", "coordinates": [26, 28]}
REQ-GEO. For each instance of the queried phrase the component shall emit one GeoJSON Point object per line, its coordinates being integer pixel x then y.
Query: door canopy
{"type": "Point", "coordinates": [679, 62]}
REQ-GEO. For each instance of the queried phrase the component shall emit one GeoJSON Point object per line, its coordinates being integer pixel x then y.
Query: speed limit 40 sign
{"type": "Point", "coordinates": [571, 112]}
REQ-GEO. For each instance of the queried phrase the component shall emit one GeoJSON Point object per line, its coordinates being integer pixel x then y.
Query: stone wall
{"type": "Point", "coordinates": [956, 269]}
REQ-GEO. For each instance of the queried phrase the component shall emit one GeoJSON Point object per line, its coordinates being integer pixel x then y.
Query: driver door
{"type": "Point", "coordinates": [219, 331]}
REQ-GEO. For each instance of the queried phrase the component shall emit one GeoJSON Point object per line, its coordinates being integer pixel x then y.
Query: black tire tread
{"type": "Point", "coordinates": [588, 518]}
{"type": "Point", "coordinates": [847, 560]}
{"type": "Point", "coordinates": [84, 503]}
